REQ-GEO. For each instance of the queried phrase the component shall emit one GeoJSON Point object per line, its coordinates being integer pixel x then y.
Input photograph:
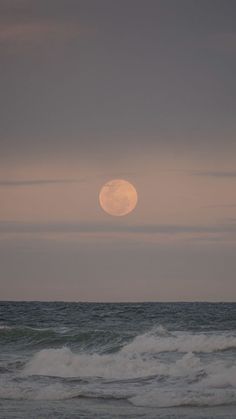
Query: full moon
{"type": "Point", "coordinates": [118, 197]}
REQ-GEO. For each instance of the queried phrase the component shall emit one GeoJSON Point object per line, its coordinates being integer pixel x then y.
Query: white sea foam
{"type": "Point", "coordinates": [189, 381]}
{"type": "Point", "coordinates": [187, 374]}
{"type": "Point", "coordinates": [180, 342]}
{"type": "Point", "coordinates": [64, 363]}
{"type": "Point", "coordinates": [219, 376]}
{"type": "Point", "coordinates": [136, 359]}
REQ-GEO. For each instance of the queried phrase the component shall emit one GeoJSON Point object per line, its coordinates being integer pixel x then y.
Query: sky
{"type": "Point", "coordinates": [132, 89]}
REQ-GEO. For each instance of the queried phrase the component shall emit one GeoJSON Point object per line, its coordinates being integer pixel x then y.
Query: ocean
{"type": "Point", "coordinates": [95, 360]}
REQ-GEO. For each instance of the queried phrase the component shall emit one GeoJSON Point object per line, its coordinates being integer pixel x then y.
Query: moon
{"type": "Point", "coordinates": [118, 197]}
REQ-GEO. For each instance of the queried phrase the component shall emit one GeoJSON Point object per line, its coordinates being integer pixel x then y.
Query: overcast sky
{"type": "Point", "coordinates": [137, 89]}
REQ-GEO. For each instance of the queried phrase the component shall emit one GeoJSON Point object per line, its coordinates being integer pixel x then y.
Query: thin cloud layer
{"type": "Point", "coordinates": [217, 174]}
{"type": "Point", "coordinates": [36, 182]}
{"type": "Point", "coordinates": [171, 229]}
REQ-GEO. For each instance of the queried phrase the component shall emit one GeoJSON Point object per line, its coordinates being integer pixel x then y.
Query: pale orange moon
{"type": "Point", "coordinates": [118, 197]}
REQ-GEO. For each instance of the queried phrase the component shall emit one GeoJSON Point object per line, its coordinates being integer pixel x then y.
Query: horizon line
{"type": "Point", "coordinates": [123, 302]}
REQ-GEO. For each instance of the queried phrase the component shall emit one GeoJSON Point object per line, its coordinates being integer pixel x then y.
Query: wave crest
{"type": "Point", "coordinates": [180, 342]}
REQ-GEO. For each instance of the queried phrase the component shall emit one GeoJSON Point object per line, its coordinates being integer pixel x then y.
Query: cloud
{"type": "Point", "coordinates": [217, 174]}
{"type": "Point", "coordinates": [36, 182]}
{"type": "Point", "coordinates": [231, 219]}
{"type": "Point", "coordinates": [168, 229]}
{"type": "Point", "coordinates": [220, 206]}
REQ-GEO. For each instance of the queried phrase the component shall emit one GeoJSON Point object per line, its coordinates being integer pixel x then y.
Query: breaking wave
{"type": "Point", "coordinates": [156, 341]}
{"type": "Point", "coordinates": [155, 369]}
{"type": "Point", "coordinates": [181, 342]}
{"type": "Point", "coordinates": [138, 358]}
{"type": "Point", "coordinates": [140, 379]}
{"type": "Point", "coordinates": [64, 363]}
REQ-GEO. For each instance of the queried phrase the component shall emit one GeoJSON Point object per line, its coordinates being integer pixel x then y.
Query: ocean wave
{"type": "Point", "coordinates": [180, 342]}
{"type": "Point", "coordinates": [139, 358]}
{"type": "Point", "coordinates": [140, 379]}
{"type": "Point", "coordinates": [151, 398]}
{"type": "Point", "coordinates": [26, 335]}
{"type": "Point", "coordinates": [156, 341]}
{"type": "Point", "coordinates": [186, 397]}
{"type": "Point", "coordinates": [64, 363]}
{"type": "Point", "coordinates": [138, 393]}
{"type": "Point", "coordinates": [41, 337]}
{"type": "Point", "coordinates": [55, 391]}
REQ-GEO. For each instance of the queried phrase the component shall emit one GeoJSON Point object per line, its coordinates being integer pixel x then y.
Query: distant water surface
{"type": "Point", "coordinates": [147, 360]}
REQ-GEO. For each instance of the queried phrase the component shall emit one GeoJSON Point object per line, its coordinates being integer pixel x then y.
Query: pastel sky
{"type": "Point", "coordinates": [142, 90]}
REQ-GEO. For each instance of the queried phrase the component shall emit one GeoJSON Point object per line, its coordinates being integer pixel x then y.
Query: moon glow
{"type": "Point", "coordinates": [118, 197]}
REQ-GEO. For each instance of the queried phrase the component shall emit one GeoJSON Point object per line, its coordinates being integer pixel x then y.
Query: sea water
{"type": "Point", "coordinates": [90, 360]}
